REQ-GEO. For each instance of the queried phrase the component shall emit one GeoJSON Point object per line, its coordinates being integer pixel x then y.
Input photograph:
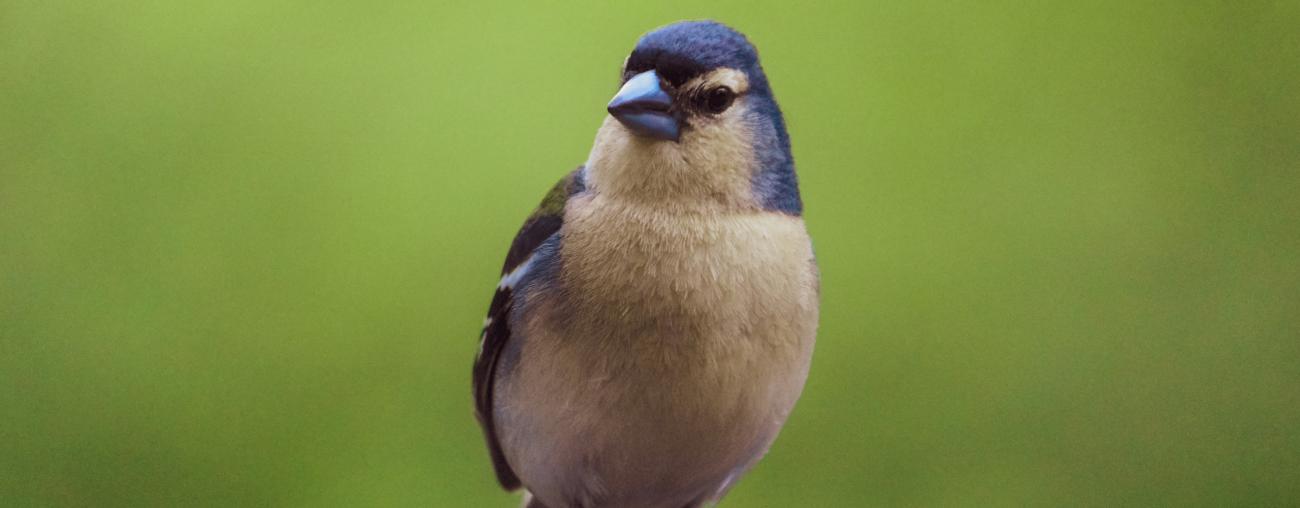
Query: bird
{"type": "Point", "coordinates": [655, 319]}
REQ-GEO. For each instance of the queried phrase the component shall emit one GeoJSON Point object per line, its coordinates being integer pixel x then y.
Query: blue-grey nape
{"type": "Point", "coordinates": [776, 185]}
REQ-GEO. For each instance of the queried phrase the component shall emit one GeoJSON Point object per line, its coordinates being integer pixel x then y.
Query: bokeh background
{"type": "Point", "coordinates": [246, 246]}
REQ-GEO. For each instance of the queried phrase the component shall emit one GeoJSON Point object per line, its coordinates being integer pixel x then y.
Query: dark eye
{"type": "Point", "coordinates": [718, 99]}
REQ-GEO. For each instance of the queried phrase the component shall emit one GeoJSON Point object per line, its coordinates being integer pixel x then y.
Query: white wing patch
{"type": "Point", "coordinates": [512, 278]}
{"type": "Point", "coordinates": [507, 282]}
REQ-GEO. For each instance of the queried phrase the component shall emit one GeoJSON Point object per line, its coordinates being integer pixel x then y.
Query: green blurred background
{"type": "Point", "coordinates": [245, 247]}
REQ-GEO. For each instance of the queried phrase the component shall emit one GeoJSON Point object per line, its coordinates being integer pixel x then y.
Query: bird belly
{"type": "Point", "coordinates": [672, 373]}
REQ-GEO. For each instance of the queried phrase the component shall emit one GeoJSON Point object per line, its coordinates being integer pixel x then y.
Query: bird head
{"type": "Point", "coordinates": [695, 124]}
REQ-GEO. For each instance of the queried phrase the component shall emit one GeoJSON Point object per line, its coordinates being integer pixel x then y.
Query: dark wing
{"type": "Point", "coordinates": [542, 224]}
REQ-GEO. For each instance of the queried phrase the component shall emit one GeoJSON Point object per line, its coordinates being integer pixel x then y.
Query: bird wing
{"type": "Point", "coordinates": [544, 223]}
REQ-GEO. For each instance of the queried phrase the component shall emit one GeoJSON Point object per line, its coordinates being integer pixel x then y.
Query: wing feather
{"type": "Point", "coordinates": [541, 225]}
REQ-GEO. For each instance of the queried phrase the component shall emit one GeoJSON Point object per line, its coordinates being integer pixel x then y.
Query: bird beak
{"type": "Point", "coordinates": [643, 107]}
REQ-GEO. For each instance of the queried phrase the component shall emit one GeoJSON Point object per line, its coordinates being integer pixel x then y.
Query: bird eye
{"type": "Point", "coordinates": [719, 99]}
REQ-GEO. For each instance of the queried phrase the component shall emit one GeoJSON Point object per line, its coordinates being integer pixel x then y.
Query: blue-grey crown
{"type": "Point", "coordinates": [687, 49]}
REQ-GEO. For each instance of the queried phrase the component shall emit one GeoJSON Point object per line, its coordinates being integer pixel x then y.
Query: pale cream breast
{"type": "Point", "coordinates": [681, 344]}
{"type": "Point", "coordinates": [685, 270]}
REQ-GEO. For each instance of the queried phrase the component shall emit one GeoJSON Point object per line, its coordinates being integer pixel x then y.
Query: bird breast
{"type": "Point", "coordinates": [678, 346]}
{"type": "Point", "coordinates": [638, 265]}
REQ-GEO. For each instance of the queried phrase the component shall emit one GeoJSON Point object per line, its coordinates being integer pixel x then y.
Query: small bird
{"type": "Point", "coordinates": [655, 318]}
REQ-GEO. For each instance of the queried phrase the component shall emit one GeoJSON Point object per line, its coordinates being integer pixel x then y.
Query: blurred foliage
{"type": "Point", "coordinates": [245, 247]}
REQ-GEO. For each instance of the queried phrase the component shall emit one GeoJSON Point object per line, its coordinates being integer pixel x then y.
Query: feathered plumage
{"type": "Point", "coordinates": [655, 317]}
